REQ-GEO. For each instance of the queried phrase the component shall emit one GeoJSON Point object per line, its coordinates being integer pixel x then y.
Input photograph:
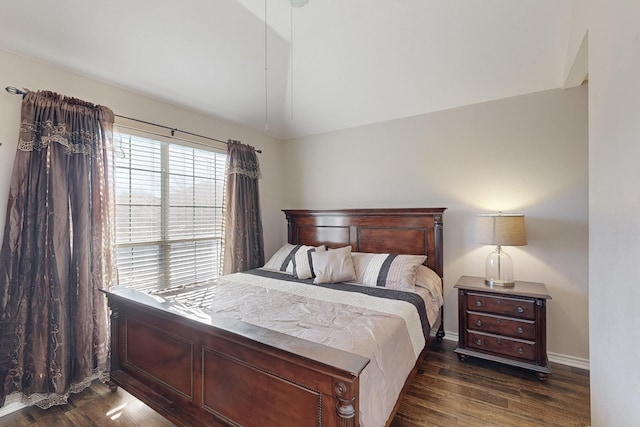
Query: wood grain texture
{"type": "Point", "coordinates": [482, 312]}
{"type": "Point", "coordinates": [396, 231]}
{"type": "Point", "coordinates": [445, 392]}
{"type": "Point", "coordinates": [448, 392]}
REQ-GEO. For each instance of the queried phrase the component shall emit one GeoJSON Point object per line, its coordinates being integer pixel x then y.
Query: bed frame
{"type": "Point", "coordinates": [211, 371]}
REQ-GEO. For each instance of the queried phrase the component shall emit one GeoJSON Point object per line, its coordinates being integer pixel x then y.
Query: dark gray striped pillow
{"type": "Point", "coordinates": [388, 270]}
{"type": "Point", "coordinates": [303, 263]}
{"type": "Point", "coordinates": [283, 259]}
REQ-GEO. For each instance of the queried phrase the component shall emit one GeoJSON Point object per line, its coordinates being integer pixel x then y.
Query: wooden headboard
{"type": "Point", "coordinates": [412, 231]}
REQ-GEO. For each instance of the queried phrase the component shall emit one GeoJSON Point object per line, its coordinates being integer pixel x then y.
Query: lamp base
{"type": "Point", "coordinates": [501, 283]}
{"type": "Point", "coordinates": [499, 269]}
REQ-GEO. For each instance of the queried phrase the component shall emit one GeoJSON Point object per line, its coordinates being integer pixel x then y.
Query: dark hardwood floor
{"type": "Point", "coordinates": [446, 392]}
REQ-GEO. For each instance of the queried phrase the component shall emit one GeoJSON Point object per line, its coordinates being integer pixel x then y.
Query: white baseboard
{"type": "Point", "coordinates": [562, 359]}
{"type": "Point", "coordinates": [451, 336]}
{"type": "Point", "coordinates": [11, 407]}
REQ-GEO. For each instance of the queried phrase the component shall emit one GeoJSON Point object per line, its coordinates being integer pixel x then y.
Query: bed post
{"type": "Point", "coordinates": [290, 230]}
{"type": "Point", "coordinates": [437, 229]}
{"type": "Point", "coordinates": [345, 409]}
{"type": "Point", "coordinates": [113, 351]}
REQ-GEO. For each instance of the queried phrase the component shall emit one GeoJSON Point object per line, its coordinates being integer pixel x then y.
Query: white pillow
{"type": "Point", "coordinates": [333, 266]}
{"type": "Point", "coordinates": [388, 270]}
{"type": "Point", "coordinates": [429, 279]}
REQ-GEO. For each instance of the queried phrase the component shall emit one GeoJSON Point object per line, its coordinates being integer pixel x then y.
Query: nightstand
{"type": "Point", "coordinates": [506, 325]}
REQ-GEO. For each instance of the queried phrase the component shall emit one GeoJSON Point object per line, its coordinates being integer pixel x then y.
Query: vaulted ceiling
{"type": "Point", "coordinates": [330, 64]}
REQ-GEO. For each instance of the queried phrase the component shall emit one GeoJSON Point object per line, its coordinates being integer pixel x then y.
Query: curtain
{"type": "Point", "coordinates": [57, 252]}
{"type": "Point", "coordinates": [244, 241]}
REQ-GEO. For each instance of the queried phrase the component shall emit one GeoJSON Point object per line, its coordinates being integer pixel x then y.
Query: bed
{"type": "Point", "coordinates": [199, 366]}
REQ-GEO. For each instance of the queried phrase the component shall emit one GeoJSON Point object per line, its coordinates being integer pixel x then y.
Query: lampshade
{"type": "Point", "coordinates": [500, 230]}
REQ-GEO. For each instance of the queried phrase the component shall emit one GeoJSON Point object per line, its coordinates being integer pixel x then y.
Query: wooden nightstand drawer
{"type": "Point", "coordinates": [504, 346]}
{"type": "Point", "coordinates": [515, 307]}
{"type": "Point", "coordinates": [523, 329]}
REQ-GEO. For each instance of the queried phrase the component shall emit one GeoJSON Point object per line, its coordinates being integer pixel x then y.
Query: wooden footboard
{"type": "Point", "coordinates": [202, 371]}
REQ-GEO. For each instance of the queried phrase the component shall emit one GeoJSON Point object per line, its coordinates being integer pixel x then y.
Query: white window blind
{"type": "Point", "coordinates": [168, 213]}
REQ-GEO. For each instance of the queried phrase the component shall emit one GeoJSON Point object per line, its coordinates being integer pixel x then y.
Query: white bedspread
{"type": "Point", "coordinates": [388, 332]}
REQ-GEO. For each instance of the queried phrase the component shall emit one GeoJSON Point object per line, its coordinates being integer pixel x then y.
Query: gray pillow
{"type": "Point", "coordinates": [333, 266]}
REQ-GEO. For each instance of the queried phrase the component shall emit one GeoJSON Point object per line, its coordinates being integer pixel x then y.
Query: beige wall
{"type": "Point", "coordinates": [20, 72]}
{"type": "Point", "coordinates": [525, 154]}
{"type": "Point", "coordinates": [614, 207]}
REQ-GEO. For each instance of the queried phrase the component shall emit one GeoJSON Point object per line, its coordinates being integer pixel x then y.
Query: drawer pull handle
{"type": "Point", "coordinates": [520, 330]}
{"type": "Point", "coordinates": [520, 350]}
{"type": "Point", "coordinates": [498, 321]}
{"type": "Point", "coordinates": [499, 341]}
{"type": "Point", "coordinates": [520, 309]}
{"type": "Point", "coordinates": [498, 301]}
{"type": "Point", "coordinates": [478, 322]}
{"type": "Point", "coordinates": [478, 303]}
{"type": "Point", "coordinates": [478, 342]}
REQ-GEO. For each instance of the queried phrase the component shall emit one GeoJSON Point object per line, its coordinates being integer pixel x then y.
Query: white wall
{"type": "Point", "coordinates": [20, 72]}
{"type": "Point", "coordinates": [614, 211]}
{"type": "Point", "coordinates": [576, 61]}
{"type": "Point", "coordinates": [525, 154]}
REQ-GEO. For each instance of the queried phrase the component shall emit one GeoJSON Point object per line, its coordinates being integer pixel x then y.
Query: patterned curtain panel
{"type": "Point", "coordinates": [57, 252]}
{"type": "Point", "coordinates": [244, 242]}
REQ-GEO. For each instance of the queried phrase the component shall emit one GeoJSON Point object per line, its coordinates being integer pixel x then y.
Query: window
{"type": "Point", "coordinates": [168, 213]}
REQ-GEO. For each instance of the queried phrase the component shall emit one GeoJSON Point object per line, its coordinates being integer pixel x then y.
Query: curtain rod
{"type": "Point", "coordinates": [15, 91]}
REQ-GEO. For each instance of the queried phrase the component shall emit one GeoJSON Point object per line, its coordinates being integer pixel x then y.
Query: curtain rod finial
{"type": "Point", "coordinates": [15, 91]}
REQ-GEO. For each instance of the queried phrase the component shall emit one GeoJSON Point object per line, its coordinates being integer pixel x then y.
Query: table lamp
{"type": "Point", "coordinates": [500, 230]}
